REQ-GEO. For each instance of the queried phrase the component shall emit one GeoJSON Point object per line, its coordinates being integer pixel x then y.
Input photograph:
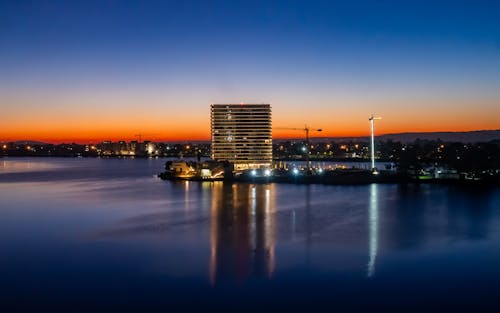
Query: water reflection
{"type": "Point", "coordinates": [308, 224]}
{"type": "Point", "coordinates": [242, 232]}
{"type": "Point", "coordinates": [469, 212]}
{"type": "Point", "coordinates": [373, 228]}
{"type": "Point", "coordinates": [96, 230]}
{"type": "Point", "coordinates": [19, 166]}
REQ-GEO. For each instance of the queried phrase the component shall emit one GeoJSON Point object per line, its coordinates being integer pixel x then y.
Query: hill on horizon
{"type": "Point", "coordinates": [465, 137]}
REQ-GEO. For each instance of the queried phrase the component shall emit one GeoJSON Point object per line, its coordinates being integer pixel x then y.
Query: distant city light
{"type": "Point", "coordinates": [253, 172]}
{"type": "Point", "coordinates": [4, 146]}
{"type": "Point", "coordinates": [150, 149]}
{"type": "Point", "coordinates": [295, 171]}
{"type": "Point", "coordinates": [320, 170]}
{"type": "Point", "coordinates": [267, 172]}
{"type": "Point", "coordinates": [304, 149]}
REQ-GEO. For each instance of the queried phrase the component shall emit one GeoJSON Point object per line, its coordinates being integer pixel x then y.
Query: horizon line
{"type": "Point", "coordinates": [89, 141]}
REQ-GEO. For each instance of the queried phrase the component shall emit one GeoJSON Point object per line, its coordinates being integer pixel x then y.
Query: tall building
{"type": "Point", "coordinates": [242, 134]}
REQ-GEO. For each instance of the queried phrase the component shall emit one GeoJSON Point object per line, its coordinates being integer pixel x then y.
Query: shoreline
{"type": "Point", "coordinates": [350, 160]}
{"type": "Point", "coordinates": [338, 180]}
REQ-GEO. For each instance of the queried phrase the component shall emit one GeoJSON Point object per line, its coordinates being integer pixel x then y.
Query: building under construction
{"type": "Point", "coordinates": [242, 135]}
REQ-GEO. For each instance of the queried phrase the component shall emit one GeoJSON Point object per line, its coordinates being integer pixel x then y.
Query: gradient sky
{"type": "Point", "coordinates": [94, 70]}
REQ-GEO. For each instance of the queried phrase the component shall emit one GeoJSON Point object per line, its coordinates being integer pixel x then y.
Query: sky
{"type": "Point", "coordinates": [86, 71]}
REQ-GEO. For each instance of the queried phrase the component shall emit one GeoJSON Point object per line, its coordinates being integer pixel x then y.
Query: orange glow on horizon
{"type": "Point", "coordinates": [200, 135]}
{"type": "Point", "coordinates": [191, 122]}
{"type": "Point", "coordinates": [199, 129]}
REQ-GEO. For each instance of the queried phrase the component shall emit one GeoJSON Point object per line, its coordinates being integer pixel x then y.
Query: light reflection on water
{"type": "Point", "coordinates": [242, 231]}
{"type": "Point", "coordinates": [373, 225]}
{"type": "Point", "coordinates": [83, 225]}
{"type": "Point", "coordinates": [16, 166]}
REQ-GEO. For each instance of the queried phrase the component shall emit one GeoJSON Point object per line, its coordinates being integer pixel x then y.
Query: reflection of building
{"type": "Point", "coordinates": [241, 134]}
{"type": "Point", "coordinates": [242, 231]}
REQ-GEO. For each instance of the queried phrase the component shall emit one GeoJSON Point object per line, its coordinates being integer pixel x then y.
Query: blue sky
{"type": "Point", "coordinates": [325, 53]}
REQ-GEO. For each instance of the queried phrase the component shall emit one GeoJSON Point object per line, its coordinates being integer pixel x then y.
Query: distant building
{"type": "Point", "coordinates": [123, 148]}
{"type": "Point", "coordinates": [242, 135]}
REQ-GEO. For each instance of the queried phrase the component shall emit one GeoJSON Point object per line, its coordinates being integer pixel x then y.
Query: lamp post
{"type": "Point", "coordinates": [372, 127]}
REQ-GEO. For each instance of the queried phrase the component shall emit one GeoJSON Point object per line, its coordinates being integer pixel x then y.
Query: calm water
{"type": "Point", "coordinates": [86, 234]}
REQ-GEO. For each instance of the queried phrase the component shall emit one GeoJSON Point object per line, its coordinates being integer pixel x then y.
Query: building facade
{"type": "Point", "coordinates": [242, 135]}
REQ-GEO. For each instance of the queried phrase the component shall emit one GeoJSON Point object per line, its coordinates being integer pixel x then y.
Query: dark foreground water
{"type": "Point", "coordinates": [107, 235]}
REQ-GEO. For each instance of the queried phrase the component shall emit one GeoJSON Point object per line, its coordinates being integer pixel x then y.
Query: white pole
{"type": "Point", "coordinates": [372, 143]}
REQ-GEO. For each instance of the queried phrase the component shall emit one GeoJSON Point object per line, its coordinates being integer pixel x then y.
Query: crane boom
{"type": "Point", "coordinates": [141, 134]}
{"type": "Point", "coordinates": [306, 129]}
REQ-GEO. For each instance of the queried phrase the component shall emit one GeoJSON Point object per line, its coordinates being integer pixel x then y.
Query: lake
{"type": "Point", "coordinates": [107, 234]}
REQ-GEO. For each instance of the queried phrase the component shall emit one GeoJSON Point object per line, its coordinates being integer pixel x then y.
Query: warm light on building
{"type": "Point", "coordinates": [150, 148]}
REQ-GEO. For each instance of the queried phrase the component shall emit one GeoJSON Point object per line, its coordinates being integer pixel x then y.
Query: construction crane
{"type": "Point", "coordinates": [372, 127]}
{"type": "Point", "coordinates": [140, 136]}
{"type": "Point", "coordinates": [306, 129]}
